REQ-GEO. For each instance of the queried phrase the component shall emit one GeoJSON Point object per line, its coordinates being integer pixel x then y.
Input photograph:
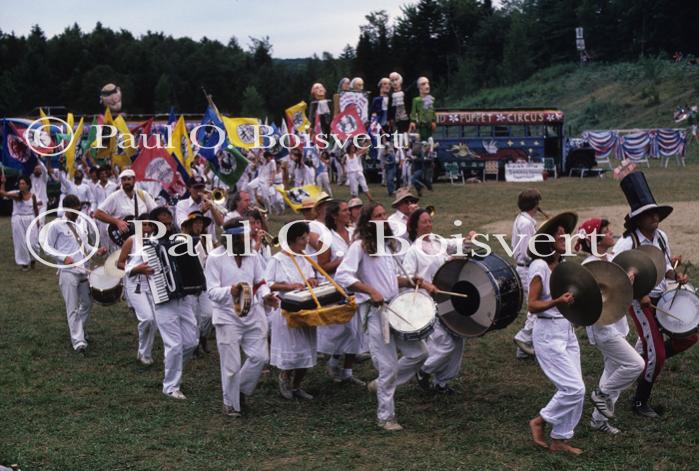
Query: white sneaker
{"type": "Point", "coordinates": [353, 380]}
{"type": "Point", "coordinates": [285, 388]}
{"type": "Point", "coordinates": [601, 402]}
{"type": "Point", "coordinates": [145, 360]}
{"type": "Point", "coordinates": [390, 425]}
{"type": "Point", "coordinates": [228, 411]}
{"type": "Point", "coordinates": [176, 394]}
{"type": "Point", "coordinates": [526, 347]}
{"type": "Point", "coordinates": [605, 427]}
{"type": "Point", "coordinates": [373, 386]}
{"type": "Point", "coordinates": [301, 394]}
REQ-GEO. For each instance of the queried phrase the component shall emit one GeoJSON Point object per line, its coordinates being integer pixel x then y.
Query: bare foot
{"type": "Point", "coordinates": [563, 445]}
{"type": "Point", "coordinates": [537, 427]}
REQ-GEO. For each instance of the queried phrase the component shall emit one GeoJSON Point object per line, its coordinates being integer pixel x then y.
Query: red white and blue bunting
{"type": "Point", "coordinates": [637, 145]}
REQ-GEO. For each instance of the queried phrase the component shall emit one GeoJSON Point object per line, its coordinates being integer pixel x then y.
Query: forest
{"type": "Point", "coordinates": [462, 45]}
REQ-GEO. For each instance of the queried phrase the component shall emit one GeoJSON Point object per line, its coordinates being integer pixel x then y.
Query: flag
{"type": "Point", "coordinates": [127, 142]}
{"type": "Point", "coordinates": [15, 151]}
{"type": "Point", "coordinates": [73, 142]}
{"type": "Point", "coordinates": [106, 149]}
{"type": "Point", "coordinates": [241, 131]}
{"type": "Point", "coordinates": [209, 134]}
{"type": "Point", "coordinates": [155, 164]}
{"type": "Point", "coordinates": [180, 138]}
{"type": "Point", "coordinates": [347, 124]}
{"type": "Point", "coordinates": [297, 117]}
{"type": "Point", "coordinates": [230, 164]}
{"type": "Point", "coordinates": [295, 196]}
{"type": "Point", "coordinates": [277, 149]}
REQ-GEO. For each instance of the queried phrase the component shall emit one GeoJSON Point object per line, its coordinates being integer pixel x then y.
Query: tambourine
{"type": "Point", "coordinates": [242, 302]}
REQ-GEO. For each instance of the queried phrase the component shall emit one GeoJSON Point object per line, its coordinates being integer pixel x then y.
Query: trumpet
{"type": "Point", "coordinates": [217, 197]}
{"type": "Point", "coordinates": [269, 239]}
{"type": "Point", "coordinates": [431, 210]}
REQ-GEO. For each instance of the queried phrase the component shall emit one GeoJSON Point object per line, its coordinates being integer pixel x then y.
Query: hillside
{"type": "Point", "coordinates": [602, 96]}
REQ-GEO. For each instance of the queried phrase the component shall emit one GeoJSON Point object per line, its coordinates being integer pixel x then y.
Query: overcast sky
{"type": "Point", "coordinates": [296, 28]}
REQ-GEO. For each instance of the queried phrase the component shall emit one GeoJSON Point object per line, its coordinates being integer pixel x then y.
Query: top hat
{"type": "Point", "coordinates": [638, 194]}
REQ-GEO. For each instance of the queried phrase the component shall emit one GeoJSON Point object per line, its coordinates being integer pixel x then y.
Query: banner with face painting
{"type": "Point", "coordinates": [158, 165]}
{"type": "Point", "coordinates": [347, 124]}
{"type": "Point", "coordinates": [360, 102]}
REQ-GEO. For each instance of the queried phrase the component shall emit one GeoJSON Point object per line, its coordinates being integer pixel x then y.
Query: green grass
{"type": "Point", "coordinates": [60, 411]}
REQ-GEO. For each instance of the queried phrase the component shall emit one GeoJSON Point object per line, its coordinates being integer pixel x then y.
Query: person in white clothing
{"type": "Point", "coordinates": [622, 363]}
{"type": "Point", "coordinates": [67, 244]}
{"type": "Point", "coordinates": [424, 257]}
{"type": "Point", "coordinates": [555, 342]}
{"type": "Point", "coordinates": [293, 349]}
{"type": "Point", "coordinates": [260, 185]}
{"type": "Point", "coordinates": [79, 188]}
{"type": "Point", "coordinates": [40, 180]}
{"type": "Point", "coordinates": [137, 291]}
{"type": "Point", "coordinates": [225, 272]}
{"type": "Point", "coordinates": [404, 204]}
{"type": "Point", "coordinates": [522, 229]}
{"type": "Point", "coordinates": [198, 202]}
{"type": "Point", "coordinates": [241, 203]}
{"type": "Point", "coordinates": [100, 191]}
{"type": "Point", "coordinates": [337, 340]}
{"type": "Point", "coordinates": [25, 207]}
{"type": "Point", "coordinates": [355, 171]}
{"type": "Point", "coordinates": [375, 280]}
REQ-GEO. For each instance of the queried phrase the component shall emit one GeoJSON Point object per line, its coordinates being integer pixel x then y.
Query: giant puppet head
{"type": "Point", "coordinates": [384, 86]}
{"type": "Point", "coordinates": [110, 96]}
{"type": "Point", "coordinates": [423, 84]}
{"type": "Point", "coordinates": [318, 91]}
{"type": "Point", "coordinates": [357, 84]}
{"type": "Point", "coordinates": [396, 81]}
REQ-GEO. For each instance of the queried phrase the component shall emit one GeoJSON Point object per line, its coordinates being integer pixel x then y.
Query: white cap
{"type": "Point", "coordinates": [127, 173]}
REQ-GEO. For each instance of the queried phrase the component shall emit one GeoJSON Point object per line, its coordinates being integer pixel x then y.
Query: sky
{"type": "Point", "coordinates": [296, 28]}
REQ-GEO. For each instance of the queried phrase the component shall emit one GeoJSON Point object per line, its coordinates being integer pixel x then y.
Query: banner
{"type": "Point", "coordinates": [241, 131]}
{"type": "Point", "coordinates": [347, 124]}
{"type": "Point", "coordinates": [158, 165]}
{"type": "Point", "coordinates": [295, 196]}
{"type": "Point", "coordinates": [524, 172]}
{"type": "Point", "coordinates": [637, 145]}
{"type": "Point", "coordinates": [297, 117]}
{"type": "Point", "coordinates": [15, 151]}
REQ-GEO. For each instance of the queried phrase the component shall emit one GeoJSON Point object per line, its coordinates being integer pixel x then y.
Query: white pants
{"type": "Point", "coordinates": [525, 333]}
{"type": "Point", "coordinates": [252, 339]}
{"type": "Point", "coordinates": [178, 328]}
{"type": "Point", "coordinates": [76, 294]}
{"type": "Point", "coordinates": [622, 366]}
{"type": "Point", "coordinates": [558, 354]}
{"type": "Point", "coordinates": [203, 311]}
{"type": "Point", "coordinates": [142, 304]}
{"type": "Point", "coordinates": [406, 174]}
{"type": "Point", "coordinates": [392, 371]}
{"type": "Point", "coordinates": [258, 187]}
{"type": "Point", "coordinates": [20, 224]}
{"type": "Point", "coordinates": [445, 354]}
{"type": "Point", "coordinates": [323, 181]}
{"type": "Point", "coordinates": [357, 181]}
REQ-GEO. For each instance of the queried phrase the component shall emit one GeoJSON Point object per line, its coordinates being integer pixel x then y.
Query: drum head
{"type": "Point", "coordinates": [416, 308]}
{"type": "Point", "coordinates": [110, 265]}
{"type": "Point", "coordinates": [101, 280]}
{"type": "Point", "coordinates": [685, 311]}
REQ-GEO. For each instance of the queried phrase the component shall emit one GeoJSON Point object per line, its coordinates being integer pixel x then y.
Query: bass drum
{"type": "Point", "coordinates": [494, 293]}
{"type": "Point", "coordinates": [105, 289]}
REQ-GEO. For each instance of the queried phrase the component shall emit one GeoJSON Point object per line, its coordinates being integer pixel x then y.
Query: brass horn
{"type": "Point", "coordinates": [431, 210]}
{"type": "Point", "coordinates": [219, 196]}
{"type": "Point", "coordinates": [269, 239]}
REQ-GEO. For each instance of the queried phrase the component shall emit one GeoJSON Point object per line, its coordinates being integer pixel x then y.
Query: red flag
{"type": "Point", "coordinates": [347, 124]}
{"type": "Point", "coordinates": [157, 165]}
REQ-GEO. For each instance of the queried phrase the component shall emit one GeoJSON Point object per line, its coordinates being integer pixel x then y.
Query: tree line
{"type": "Point", "coordinates": [461, 45]}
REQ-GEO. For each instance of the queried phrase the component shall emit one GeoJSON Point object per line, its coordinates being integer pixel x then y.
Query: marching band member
{"type": "Point", "coordinates": [79, 188]}
{"type": "Point", "coordinates": [404, 204]}
{"type": "Point", "coordinates": [69, 241]}
{"type": "Point", "coordinates": [293, 349]}
{"type": "Point", "coordinates": [555, 343]}
{"type": "Point", "coordinates": [25, 207]}
{"type": "Point", "coordinates": [241, 203]}
{"type": "Point", "coordinates": [224, 274]}
{"type": "Point", "coordinates": [317, 224]}
{"type": "Point", "coordinates": [355, 170]}
{"type": "Point", "coordinates": [265, 178]}
{"type": "Point", "coordinates": [375, 280]}
{"type": "Point", "coordinates": [137, 291]}
{"type": "Point", "coordinates": [622, 363]}
{"type": "Point", "coordinates": [258, 228]}
{"type": "Point", "coordinates": [197, 202]}
{"type": "Point", "coordinates": [195, 225]}
{"type": "Point", "coordinates": [322, 178]}
{"type": "Point", "coordinates": [641, 228]}
{"type": "Point", "coordinates": [100, 191]}
{"type": "Point", "coordinates": [423, 259]}
{"type": "Point", "coordinates": [355, 208]}
{"type": "Point", "coordinates": [337, 340]}
{"type": "Point", "coordinates": [40, 180]}
{"type": "Point", "coordinates": [522, 229]}
{"type": "Point", "coordinates": [177, 324]}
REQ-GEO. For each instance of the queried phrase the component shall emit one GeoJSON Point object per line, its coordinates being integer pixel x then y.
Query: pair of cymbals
{"type": "Point", "coordinates": [647, 263]}
{"type": "Point", "coordinates": [587, 306]}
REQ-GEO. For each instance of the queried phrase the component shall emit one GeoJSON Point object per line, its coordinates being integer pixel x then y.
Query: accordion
{"type": "Point", "coordinates": [175, 276]}
{"type": "Point", "coordinates": [300, 299]}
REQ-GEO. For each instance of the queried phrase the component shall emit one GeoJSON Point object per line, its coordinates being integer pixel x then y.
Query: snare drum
{"type": "Point", "coordinates": [412, 315]}
{"type": "Point", "coordinates": [494, 293]}
{"type": "Point", "coordinates": [105, 289]}
{"type": "Point", "coordinates": [685, 312]}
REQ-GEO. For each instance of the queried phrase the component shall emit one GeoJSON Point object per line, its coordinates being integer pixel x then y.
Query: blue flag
{"type": "Point", "coordinates": [209, 135]}
{"type": "Point", "coordinates": [16, 153]}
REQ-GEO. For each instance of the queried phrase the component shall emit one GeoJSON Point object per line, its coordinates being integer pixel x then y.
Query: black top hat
{"type": "Point", "coordinates": [638, 194]}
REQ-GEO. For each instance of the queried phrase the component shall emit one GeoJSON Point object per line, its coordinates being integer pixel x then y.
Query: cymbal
{"type": "Point", "coordinates": [110, 265]}
{"type": "Point", "coordinates": [576, 279]}
{"type": "Point", "coordinates": [658, 258]}
{"type": "Point", "coordinates": [616, 289]}
{"type": "Point", "coordinates": [642, 266]}
{"type": "Point", "coordinates": [567, 220]}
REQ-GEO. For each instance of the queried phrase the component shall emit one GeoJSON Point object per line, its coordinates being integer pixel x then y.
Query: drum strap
{"type": "Point", "coordinates": [78, 239]}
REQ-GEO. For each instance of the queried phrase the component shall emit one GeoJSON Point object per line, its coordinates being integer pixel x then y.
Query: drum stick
{"type": "Point", "coordinates": [451, 293]}
{"type": "Point", "coordinates": [665, 312]}
{"type": "Point", "coordinates": [398, 315]}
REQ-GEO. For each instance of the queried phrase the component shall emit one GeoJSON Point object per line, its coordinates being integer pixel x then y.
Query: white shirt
{"type": "Point", "coordinates": [100, 192]}
{"type": "Point", "coordinates": [601, 333]}
{"type": "Point", "coordinates": [23, 207]}
{"type": "Point", "coordinates": [398, 217]}
{"type": "Point", "coordinates": [61, 239]}
{"type": "Point", "coordinates": [82, 191]}
{"type": "Point", "coordinates": [39, 186]}
{"type": "Point", "coordinates": [381, 273]}
{"type": "Point", "coordinates": [267, 172]}
{"type": "Point", "coordinates": [232, 215]}
{"type": "Point", "coordinates": [540, 269]}
{"type": "Point", "coordinates": [222, 272]}
{"type": "Point", "coordinates": [424, 258]}
{"type": "Point", "coordinates": [119, 205]}
{"type": "Point", "coordinates": [626, 243]}
{"type": "Point", "coordinates": [184, 207]}
{"type": "Point", "coordinates": [281, 269]}
{"type": "Point", "coordinates": [523, 229]}
{"type": "Point", "coordinates": [354, 163]}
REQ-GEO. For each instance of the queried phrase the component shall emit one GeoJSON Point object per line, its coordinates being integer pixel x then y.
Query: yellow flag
{"type": "Point", "coordinates": [180, 137]}
{"type": "Point", "coordinates": [106, 149]}
{"type": "Point", "coordinates": [70, 120]}
{"type": "Point", "coordinates": [127, 141]}
{"type": "Point", "coordinates": [241, 131]}
{"type": "Point", "coordinates": [70, 151]}
{"type": "Point", "coordinates": [294, 196]}
{"type": "Point", "coordinates": [297, 116]}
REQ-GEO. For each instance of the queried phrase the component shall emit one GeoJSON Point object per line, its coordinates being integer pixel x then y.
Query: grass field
{"type": "Point", "coordinates": [61, 411]}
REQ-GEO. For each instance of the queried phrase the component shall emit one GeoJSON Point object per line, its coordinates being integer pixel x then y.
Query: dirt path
{"type": "Point", "coordinates": [682, 226]}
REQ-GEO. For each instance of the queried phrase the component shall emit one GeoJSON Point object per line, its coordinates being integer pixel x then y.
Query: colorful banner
{"type": "Point", "coordinates": [241, 131]}
{"type": "Point", "coordinates": [637, 145]}
{"type": "Point", "coordinates": [475, 117]}
{"type": "Point", "coordinates": [347, 124]}
{"type": "Point", "coordinates": [297, 117]}
{"type": "Point", "coordinates": [295, 196]}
